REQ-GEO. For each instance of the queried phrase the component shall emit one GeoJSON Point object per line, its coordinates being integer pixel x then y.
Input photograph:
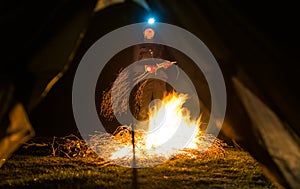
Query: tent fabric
{"type": "Point", "coordinates": [17, 133]}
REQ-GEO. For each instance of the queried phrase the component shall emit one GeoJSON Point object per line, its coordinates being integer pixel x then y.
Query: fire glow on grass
{"type": "Point", "coordinates": [170, 130]}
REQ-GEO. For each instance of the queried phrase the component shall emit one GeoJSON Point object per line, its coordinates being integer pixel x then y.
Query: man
{"type": "Point", "coordinates": [149, 89]}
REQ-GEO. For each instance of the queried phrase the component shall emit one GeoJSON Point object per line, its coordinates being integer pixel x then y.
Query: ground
{"type": "Point", "coordinates": [234, 169]}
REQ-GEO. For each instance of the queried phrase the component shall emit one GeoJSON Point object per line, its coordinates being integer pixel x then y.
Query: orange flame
{"type": "Point", "coordinates": [170, 130]}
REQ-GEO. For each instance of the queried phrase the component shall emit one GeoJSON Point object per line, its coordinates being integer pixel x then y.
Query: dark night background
{"type": "Point", "coordinates": [258, 40]}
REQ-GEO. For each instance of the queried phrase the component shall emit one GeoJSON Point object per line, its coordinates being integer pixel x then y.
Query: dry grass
{"type": "Point", "coordinates": [73, 147]}
{"type": "Point", "coordinates": [122, 85]}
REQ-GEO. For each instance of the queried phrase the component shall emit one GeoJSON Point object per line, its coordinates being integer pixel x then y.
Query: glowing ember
{"type": "Point", "coordinates": [170, 130]}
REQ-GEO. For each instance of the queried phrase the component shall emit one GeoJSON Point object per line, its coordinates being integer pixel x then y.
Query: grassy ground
{"type": "Point", "coordinates": [234, 170]}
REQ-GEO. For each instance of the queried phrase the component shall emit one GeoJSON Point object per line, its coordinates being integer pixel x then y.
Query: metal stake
{"type": "Point", "coordinates": [134, 169]}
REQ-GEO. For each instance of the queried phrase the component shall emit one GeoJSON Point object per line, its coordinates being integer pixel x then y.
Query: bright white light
{"type": "Point", "coordinates": [151, 21]}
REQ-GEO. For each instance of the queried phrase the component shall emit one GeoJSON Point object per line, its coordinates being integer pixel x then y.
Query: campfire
{"type": "Point", "coordinates": [170, 131]}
